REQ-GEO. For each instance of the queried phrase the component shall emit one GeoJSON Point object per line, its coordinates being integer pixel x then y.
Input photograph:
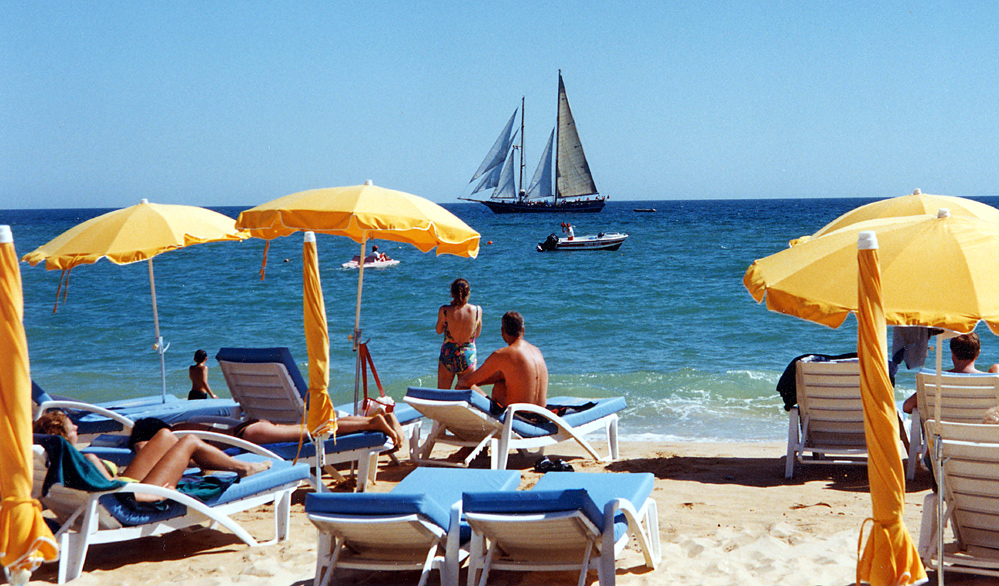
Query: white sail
{"type": "Point", "coordinates": [572, 173]}
{"type": "Point", "coordinates": [497, 154]}
{"type": "Point", "coordinates": [490, 180]}
{"type": "Point", "coordinates": [506, 189]}
{"type": "Point", "coordinates": [541, 184]}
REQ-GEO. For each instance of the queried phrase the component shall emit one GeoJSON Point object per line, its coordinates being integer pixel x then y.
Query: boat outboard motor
{"type": "Point", "coordinates": [550, 243]}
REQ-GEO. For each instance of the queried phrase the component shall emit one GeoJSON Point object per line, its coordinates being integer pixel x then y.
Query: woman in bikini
{"type": "Point", "coordinates": [461, 324]}
{"type": "Point", "coordinates": [160, 460]}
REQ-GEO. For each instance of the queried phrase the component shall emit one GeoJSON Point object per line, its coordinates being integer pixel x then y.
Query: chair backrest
{"type": "Point", "coordinates": [964, 398]}
{"type": "Point", "coordinates": [829, 402]}
{"type": "Point", "coordinates": [265, 382]}
{"type": "Point", "coordinates": [971, 481]}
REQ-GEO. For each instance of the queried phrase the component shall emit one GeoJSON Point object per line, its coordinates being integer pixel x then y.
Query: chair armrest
{"type": "Point", "coordinates": [78, 406]}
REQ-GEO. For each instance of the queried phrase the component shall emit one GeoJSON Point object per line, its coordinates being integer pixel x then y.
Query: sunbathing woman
{"type": "Point", "coordinates": [159, 461]}
{"type": "Point", "coordinates": [461, 324]}
{"type": "Point", "coordinates": [260, 431]}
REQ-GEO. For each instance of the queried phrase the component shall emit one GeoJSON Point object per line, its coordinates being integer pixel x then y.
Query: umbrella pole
{"type": "Point", "coordinates": [357, 325]}
{"type": "Point", "coordinates": [158, 345]}
{"type": "Point", "coordinates": [938, 468]}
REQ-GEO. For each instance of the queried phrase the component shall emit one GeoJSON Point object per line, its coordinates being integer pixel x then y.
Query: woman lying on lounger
{"type": "Point", "coordinates": [159, 460]}
{"type": "Point", "coordinates": [262, 432]}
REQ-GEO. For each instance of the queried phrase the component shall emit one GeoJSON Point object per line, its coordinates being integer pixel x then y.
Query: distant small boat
{"type": "Point", "coordinates": [646, 210]}
{"type": "Point", "coordinates": [602, 241]}
{"type": "Point", "coordinates": [369, 263]}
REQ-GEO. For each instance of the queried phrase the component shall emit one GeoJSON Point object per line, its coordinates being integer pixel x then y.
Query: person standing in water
{"type": "Point", "coordinates": [199, 377]}
{"type": "Point", "coordinates": [461, 324]}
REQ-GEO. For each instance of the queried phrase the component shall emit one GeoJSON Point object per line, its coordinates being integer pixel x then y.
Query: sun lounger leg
{"type": "Point", "coordinates": [612, 437]}
{"type": "Point", "coordinates": [476, 555]}
{"type": "Point", "coordinates": [601, 568]}
{"type": "Point", "coordinates": [486, 565]}
{"type": "Point", "coordinates": [792, 441]}
{"type": "Point", "coordinates": [428, 564]}
{"type": "Point", "coordinates": [73, 546]}
{"type": "Point", "coordinates": [282, 516]}
{"type": "Point", "coordinates": [915, 445]}
{"type": "Point", "coordinates": [652, 522]}
{"type": "Point", "coordinates": [324, 558]}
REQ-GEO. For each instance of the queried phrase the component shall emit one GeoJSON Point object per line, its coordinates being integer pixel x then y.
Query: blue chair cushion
{"type": "Point", "coordinates": [430, 492]}
{"type": "Point", "coordinates": [534, 501]}
{"type": "Point", "coordinates": [264, 356]}
{"type": "Point", "coordinates": [523, 428]}
{"type": "Point", "coordinates": [636, 488]}
{"type": "Point", "coordinates": [343, 443]}
{"type": "Point", "coordinates": [376, 505]}
{"type": "Point", "coordinates": [281, 472]}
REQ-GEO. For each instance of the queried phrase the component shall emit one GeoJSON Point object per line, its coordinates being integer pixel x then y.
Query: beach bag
{"type": "Point", "coordinates": [373, 405]}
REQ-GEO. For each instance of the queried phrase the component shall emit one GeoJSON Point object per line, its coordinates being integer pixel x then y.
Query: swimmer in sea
{"type": "Point", "coordinates": [461, 324]}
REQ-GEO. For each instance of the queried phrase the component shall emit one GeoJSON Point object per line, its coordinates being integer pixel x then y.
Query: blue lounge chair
{"type": "Point", "coordinates": [405, 529]}
{"type": "Point", "coordinates": [267, 384]}
{"type": "Point", "coordinates": [463, 418]}
{"type": "Point", "coordinates": [97, 418]}
{"type": "Point", "coordinates": [90, 509]}
{"type": "Point", "coordinates": [568, 521]}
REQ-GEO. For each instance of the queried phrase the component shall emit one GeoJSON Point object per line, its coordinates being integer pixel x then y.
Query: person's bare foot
{"type": "Point", "coordinates": [254, 468]}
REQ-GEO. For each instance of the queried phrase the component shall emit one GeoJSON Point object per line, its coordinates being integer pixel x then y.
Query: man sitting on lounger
{"type": "Point", "coordinates": [518, 372]}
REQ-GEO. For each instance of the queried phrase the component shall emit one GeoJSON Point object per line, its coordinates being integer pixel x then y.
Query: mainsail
{"type": "Point", "coordinates": [572, 175]}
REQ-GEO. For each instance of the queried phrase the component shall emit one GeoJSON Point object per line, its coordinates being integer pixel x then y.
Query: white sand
{"type": "Point", "coordinates": [726, 516]}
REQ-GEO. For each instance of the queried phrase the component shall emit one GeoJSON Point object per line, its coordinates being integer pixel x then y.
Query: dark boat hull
{"type": "Point", "coordinates": [582, 207]}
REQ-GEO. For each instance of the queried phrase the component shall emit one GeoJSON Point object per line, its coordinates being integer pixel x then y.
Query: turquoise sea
{"type": "Point", "coordinates": [665, 320]}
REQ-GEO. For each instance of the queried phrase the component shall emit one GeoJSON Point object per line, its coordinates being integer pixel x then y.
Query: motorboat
{"type": "Point", "coordinates": [601, 241]}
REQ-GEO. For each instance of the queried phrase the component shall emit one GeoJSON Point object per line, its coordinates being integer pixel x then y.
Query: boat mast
{"type": "Point", "coordinates": [521, 146]}
{"type": "Point", "coordinates": [558, 132]}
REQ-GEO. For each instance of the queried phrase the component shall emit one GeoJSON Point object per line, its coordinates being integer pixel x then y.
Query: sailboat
{"type": "Point", "coordinates": [573, 180]}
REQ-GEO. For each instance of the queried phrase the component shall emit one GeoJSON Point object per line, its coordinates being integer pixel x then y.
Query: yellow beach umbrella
{"type": "Point", "coordinates": [321, 415]}
{"type": "Point", "coordinates": [25, 539]}
{"type": "Point", "coordinates": [934, 271]}
{"type": "Point", "coordinates": [937, 272]}
{"type": "Point", "coordinates": [915, 204]}
{"type": "Point", "coordinates": [890, 556]}
{"type": "Point", "coordinates": [362, 213]}
{"type": "Point", "coordinates": [133, 234]}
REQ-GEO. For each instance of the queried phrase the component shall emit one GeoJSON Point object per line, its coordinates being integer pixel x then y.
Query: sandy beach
{"type": "Point", "coordinates": [726, 516]}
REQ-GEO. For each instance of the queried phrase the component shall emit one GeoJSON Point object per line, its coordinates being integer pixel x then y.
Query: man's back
{"type": "Point", "coordinates": [524, 374]}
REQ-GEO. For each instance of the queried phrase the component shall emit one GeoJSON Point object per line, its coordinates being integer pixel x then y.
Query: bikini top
{"type": "Point", "coordinates": [447, 332]}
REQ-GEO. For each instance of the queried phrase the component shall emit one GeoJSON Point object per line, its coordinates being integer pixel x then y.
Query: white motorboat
{"type": "Point", "coordinates": [601, 241]}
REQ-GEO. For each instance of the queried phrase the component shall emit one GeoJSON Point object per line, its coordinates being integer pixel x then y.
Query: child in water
{"type": "Point", "coordinates": [199, 378]}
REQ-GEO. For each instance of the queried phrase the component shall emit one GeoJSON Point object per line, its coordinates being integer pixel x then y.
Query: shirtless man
{"type": "Point", "coordinates": [964, 350]}
{"type": "Point", "coordinates": [198, 373]}
{"type": "Point", "coordinates": [518, 372]}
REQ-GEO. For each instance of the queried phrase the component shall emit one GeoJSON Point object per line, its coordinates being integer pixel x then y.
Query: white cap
{"type": "Point", "coordinates": [144, 200]}
{"type": "Point", "coordinates": [310, 236]}
{"type": "Point", "coordinates": [917, 192]}
{"type": "Point", "coordinates": [867, 240]}
{"type": "Point", "coordinates": [368, 182]}
{"type": "Point", "coordinates": [6, 236]}
{"type": "Point", "coordinates": [943, 213]}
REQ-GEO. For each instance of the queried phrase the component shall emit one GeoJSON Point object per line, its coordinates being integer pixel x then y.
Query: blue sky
{"type": "Point", "coordinates": [236, 103]}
